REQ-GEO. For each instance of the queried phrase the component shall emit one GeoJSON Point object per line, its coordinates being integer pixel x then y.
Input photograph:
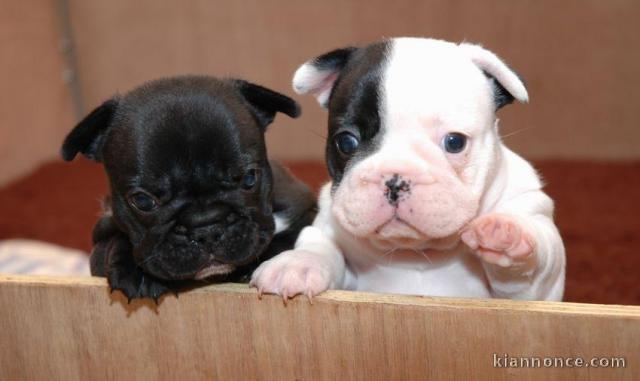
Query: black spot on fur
{"type": "Point", "coordinates": [501, 97]}
{"type": "Point", "coordinates": [354, 106]}
{"type": "Point", "coordinates": [335, 59]}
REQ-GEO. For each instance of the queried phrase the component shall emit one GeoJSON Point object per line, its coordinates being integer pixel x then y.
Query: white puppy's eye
{"type": "Point", "coordinates": [454, 142]}
{"type": "Point", "coordinates": [347, 143]}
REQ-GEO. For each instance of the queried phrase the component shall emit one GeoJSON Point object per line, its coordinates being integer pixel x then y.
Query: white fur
{"type": "Point", "coordinates": [308, 79]}
{"type": "Point", "coordinates": [493, 197]}
{"type": "Point", "coordinates": [282, 223]}
{"type": "Point", "coordinates": [489, 62]}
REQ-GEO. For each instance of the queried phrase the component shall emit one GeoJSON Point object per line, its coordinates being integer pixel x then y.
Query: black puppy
{"type": "Point", "coordinates": [193, 195]}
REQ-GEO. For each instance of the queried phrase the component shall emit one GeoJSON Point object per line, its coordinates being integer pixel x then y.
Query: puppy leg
{"type": "Point", "coordinates": [314, 266]}
{"type": "Point", "coordinates": [521, 248]}
{"type": "Point", "coordinates": [111, 257]}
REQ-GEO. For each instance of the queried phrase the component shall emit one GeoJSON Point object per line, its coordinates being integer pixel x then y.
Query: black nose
{"type": "Point", "coordinates": [396, 186]}
{"type": "Point", "coordinates": [211, 215]}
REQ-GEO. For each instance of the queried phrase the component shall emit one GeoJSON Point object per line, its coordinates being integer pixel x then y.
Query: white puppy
{"type": "Point", "coordinates": [424, 198]}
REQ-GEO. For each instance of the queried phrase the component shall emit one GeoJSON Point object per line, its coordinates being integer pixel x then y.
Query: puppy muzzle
{"type": "Point", "coordinates": [201, 245]}
{"type": "Point", "coordinates": [401, 207]}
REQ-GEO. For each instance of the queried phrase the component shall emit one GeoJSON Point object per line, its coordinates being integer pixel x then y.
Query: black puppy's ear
{"type": "Point", "coordinates": [318, 75]}
{"type": "Point", "coordinates": [265, 103]}
{"type": "Point", "coordinates": [87, 136]}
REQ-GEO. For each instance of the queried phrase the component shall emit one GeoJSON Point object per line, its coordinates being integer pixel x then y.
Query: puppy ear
{"type": "Point", "coordinates": [318, 75]}
{"type": "Point", "coordinates": [507, 86]}
{"type": "Point", "coordinates": [88, 136]}
{"type": "Point", "coordinates": [265, 103]}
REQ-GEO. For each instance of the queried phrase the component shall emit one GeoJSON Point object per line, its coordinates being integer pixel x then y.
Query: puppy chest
{"type": "Point", "coordinates": [460, 277]}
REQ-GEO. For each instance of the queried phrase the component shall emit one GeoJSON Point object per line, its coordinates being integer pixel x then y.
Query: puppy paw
{"type": "Point", "coordinates": [499, 239]}
{"type": "Point", "coordinates": [291, 273]}
{"type": "Point", "coordinates": [134, 283]}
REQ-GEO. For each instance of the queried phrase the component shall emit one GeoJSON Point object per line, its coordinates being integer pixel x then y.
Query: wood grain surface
{"type": "Point", "coordinates": [73, 329]}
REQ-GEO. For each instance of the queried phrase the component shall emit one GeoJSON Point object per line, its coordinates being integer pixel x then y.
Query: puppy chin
{"type": "Point", "coordinates": [398, 234]}
{"type": "Point", "coordinates": [399, 231]}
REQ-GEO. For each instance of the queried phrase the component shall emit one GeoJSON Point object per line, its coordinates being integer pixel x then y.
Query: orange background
{"type": "Point", "coordinates": [580, 59]}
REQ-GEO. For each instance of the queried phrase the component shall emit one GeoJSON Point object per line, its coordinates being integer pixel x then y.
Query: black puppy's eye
{"type": "Point", "coordinates": [347, 143]}
{"type": "Point", "coordinates": [250, 179]}
{"type": "Point", "coordinates": [454, 142]}
{"type": "Point", "coordinates": [143, 201]}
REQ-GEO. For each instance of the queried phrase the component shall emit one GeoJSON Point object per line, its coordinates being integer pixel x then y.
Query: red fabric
{"type": "Point", "coordinates": [597, 211]}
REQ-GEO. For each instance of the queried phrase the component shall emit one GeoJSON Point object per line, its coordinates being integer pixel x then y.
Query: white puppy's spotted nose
{"type": "Point", "coordinates": [396, 189]}
{"type": "Point", "coordinates": [395, 186]}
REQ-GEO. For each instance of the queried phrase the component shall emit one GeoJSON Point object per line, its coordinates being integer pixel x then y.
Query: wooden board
{"type": "Point", "coordinates": [73, 329]}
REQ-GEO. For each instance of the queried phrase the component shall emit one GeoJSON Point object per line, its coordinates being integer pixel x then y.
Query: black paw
{"type": "Point", "coordinates": [134, 283]}
{"type": "Point", "coordinates": [112, 258]}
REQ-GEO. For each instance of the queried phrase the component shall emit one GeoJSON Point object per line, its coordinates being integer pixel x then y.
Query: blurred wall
{"type": "Point", "coordinates": [580, 59]}
{"type": "Point", "coordinates": [35, 105]}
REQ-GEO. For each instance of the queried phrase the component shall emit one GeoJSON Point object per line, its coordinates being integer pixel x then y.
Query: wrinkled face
{"type": "Point", "coordinates": [412, 141]}
{"type": "Point", "coordinates": [190, 183]}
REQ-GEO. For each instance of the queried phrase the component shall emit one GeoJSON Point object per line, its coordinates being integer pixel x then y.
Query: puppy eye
{"type": "Point", "coordinates": [143, 202]}
{"type": "Point", "coordinates": [250, 179]}
{"type": "Point", "coordinates": [454, 142]}
{"type": "Point", "coordinates": [347, 143]}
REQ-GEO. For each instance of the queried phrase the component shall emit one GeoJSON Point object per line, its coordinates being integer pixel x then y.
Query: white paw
{"type": "Point", "coordinates": [291, 273]}
{"type": "Point", "coordinates": [499, 239]}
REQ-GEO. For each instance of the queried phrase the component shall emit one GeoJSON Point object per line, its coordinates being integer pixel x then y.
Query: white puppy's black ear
{"type": "Point", "coordinates": [265, 103]}
{"type": "Point", "coordinates": [317, 76]}
{"type": "Point", "coordinates": [88, 136]}
{"type": "Point", "coordinates": [507, 85]}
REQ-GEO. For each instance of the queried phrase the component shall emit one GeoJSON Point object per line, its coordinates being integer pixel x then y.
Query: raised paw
{"type": "Point", "coordinates": [499, 239]}
{"type": "Point", "coordinates": [291, 273]}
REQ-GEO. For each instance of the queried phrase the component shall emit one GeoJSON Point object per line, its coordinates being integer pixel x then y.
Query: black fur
{"type": "Point", "coordinates": [354, 103]}
{"type": "Point", "coordinates": [265, 103]}
{"type": "Point", "coordinates": [188, 142]}
{"type": "Point", "coordinates": [334, 60]}
{"type": "Point", "coordinates": [88, 136]}
{"type": "Point", "coordinates": [501, 97]}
